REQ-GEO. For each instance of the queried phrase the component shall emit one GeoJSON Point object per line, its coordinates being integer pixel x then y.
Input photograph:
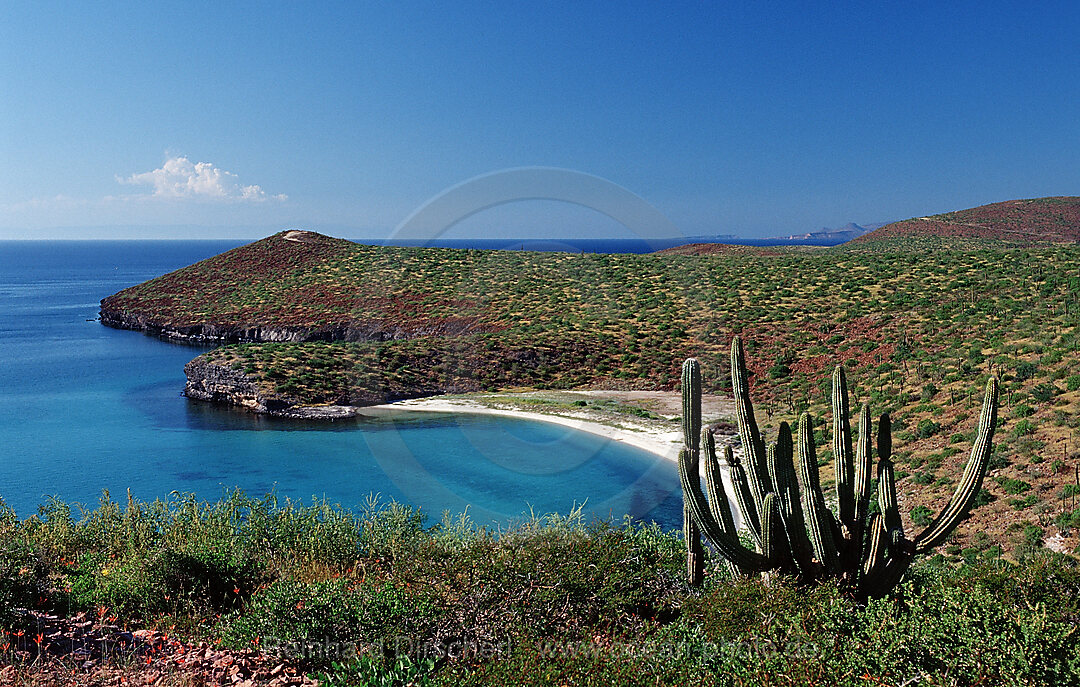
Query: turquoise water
{"type": "Point", "coordinates": [85, 408]}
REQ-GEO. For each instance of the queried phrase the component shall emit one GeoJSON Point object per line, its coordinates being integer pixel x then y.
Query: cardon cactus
{"type": "Point", "coordinates": [784, 512]}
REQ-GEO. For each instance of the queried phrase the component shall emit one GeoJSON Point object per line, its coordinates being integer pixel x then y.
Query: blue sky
{"type": "Point", "coordinates": [237, 120]}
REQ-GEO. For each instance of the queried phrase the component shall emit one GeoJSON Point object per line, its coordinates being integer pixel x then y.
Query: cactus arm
{"type": "Point", "coordinates": [888, 571]}
{"type": "Point", "coordinates": [773, 542]}
{"type": "Point", "coordinates": [816, 512]}
{"type": "Point", "coordinates": [971, 482]}
{"type": "Point", "coordinates": [691, 402]}
{"type": "Point", "coordinates": [752, 443]}
{"type": "Point", "coordinates": [875, 552]}
{"type": "Point", "coordinates": [743, 498]}
{"type": "Point", "coordinates": [714, 485]}
{"type": "Point", "coordinates": [888, 575]}
{"type": "Point", "coordinates": [726, 545]}
{"type": "Point", "coordinates": [691, 421]}
{"type": "Point", "coordinates": [781, 464]}
{"type": "Point", "coordinates": [695, 552]}
{"type": "Point", "coordinates": [863, 466]}
{"type": "Point", "coordinates": [842, 455]}
{"type": "Point", "coordinates": [718, 500]}
{"type": "Point", "coordinates": [887, 502]}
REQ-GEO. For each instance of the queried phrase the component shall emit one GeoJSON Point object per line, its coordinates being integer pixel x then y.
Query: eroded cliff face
{"type": "Point", "coordinates": [208, 333]}
{"type": "Point", "coordinates": [207, 381]}
{"type": "Point", "coordinates": [221, 384]}
{"type": "Point", "coordinates": [201, 333]}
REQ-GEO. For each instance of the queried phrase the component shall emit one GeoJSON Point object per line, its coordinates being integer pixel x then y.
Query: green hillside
{"type": "Point", "coordinates": [1015, 222]}
{"type": "Point", "coordinates": [919, 331]}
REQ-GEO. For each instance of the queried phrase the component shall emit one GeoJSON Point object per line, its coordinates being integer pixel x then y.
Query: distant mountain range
{"type": "Point", "coordinates": [824, 237]}
{"type": "Point", "coordinates": [831, 237]}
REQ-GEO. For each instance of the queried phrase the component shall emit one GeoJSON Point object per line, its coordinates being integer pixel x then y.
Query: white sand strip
{"type": "Point", "coordinates": [665, 444]}
{"type": "Point", "coordinates": [660, 443]}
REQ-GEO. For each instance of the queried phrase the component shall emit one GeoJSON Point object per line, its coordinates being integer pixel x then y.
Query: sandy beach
{"type": "Point", "coordinates": [648, 437]}
{"type": "Point", "coordinates": [601, 412]}
{"type": "Point", "coordinates": [659, 435]}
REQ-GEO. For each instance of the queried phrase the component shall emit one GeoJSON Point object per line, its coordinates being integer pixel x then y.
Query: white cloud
{"type": "Point", "coordinates": [182, 179]}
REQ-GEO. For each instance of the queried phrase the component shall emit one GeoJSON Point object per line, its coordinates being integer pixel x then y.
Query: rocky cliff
{"type": "Point", "coordinates": [208, 333]}
{"type": "Point", "coordinates": [219, 383]}
{"type": "Point", "coordinates": [223, 383]}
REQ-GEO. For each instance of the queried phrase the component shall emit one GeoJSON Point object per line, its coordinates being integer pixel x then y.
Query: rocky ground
{"type": "Point", "coordinates": [83, 650]}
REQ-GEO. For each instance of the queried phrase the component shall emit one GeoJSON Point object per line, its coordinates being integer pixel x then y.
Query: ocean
{"type": "Point", "coordinates": [85, 408]}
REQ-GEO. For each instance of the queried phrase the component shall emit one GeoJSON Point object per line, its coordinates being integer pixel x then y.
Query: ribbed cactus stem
{"type": "Point", "coordinates": [778, 549]}
{"type": "Point", "coordinates": [714, 484]}
{"type": "Point", "coordinates": [813, 503]}
{"type": "Point", "coordinates": [691, 402]}
{"type": "Point", "coordinates": [691, 420]}
{"type": "Point", "coordinates": [714, 488]}
{"type": "Point", "coordinates": [772, 532]}
{"type": "Point", "coordinates": [844, 461]}
{"type": "Point", "coordinates": [782, 469]}
{"type": "Point", "coordinates": [695, 552]}
{"type": "Point", "coordinates": [781, 463]}
{"type": "Point", "coordinates": [884, 437]}
{"type": "Point", "coordinates": [726, 545]}
{"type": "Point", "coordinates": [744, 499]}
{"type": "Point", "coordinates": [864, 462]}
{"type": "Point", "coordinates": [887, 502]}
{"type": "Point", "coordinates": [971, 482]}
{"type": "Point", "coordinates": [888, 575]}
{"type": "Point", "coordinates": [752, 443]}
{"type": "Point", "coordinates": [784, 510]}
{"type": "Point", "coordinates": [877, 549]}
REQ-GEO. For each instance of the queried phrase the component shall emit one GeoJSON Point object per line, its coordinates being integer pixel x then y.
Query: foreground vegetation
{"type": "Point", "coordinates": [379, 596]}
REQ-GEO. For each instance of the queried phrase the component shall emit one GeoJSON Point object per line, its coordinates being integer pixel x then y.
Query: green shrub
{"type": "Point", "coordinates": [339, 610]}
{"type": "Point", "coordinates": [982, 498]}
{"type": "Point", "coordinates": [1025, 502]}
{"type": "Point", "coordinates": [925, 477]}
{"type": "Point", "coordinates": [1014, 486]}
{"type": "Point", "coordinates": [921, 516]}
{"type": "Point", "coordinates": [1025, 370]}
{"type": "Point", "coordinates": [927, 428]}
{"type": "Point", "coordinates": [1043, 392]}
{"type": "Point", "coordinates": [1023, 428]}
{"type": "Point", "coordinates": [779, 371]}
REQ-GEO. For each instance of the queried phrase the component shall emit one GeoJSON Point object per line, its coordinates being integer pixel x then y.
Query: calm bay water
{"type": "Point", "coordinates": [85, 408]}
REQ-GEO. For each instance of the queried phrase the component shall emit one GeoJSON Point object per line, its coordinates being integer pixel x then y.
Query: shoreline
{"type": "Point", "coordinates": [663, 444]}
